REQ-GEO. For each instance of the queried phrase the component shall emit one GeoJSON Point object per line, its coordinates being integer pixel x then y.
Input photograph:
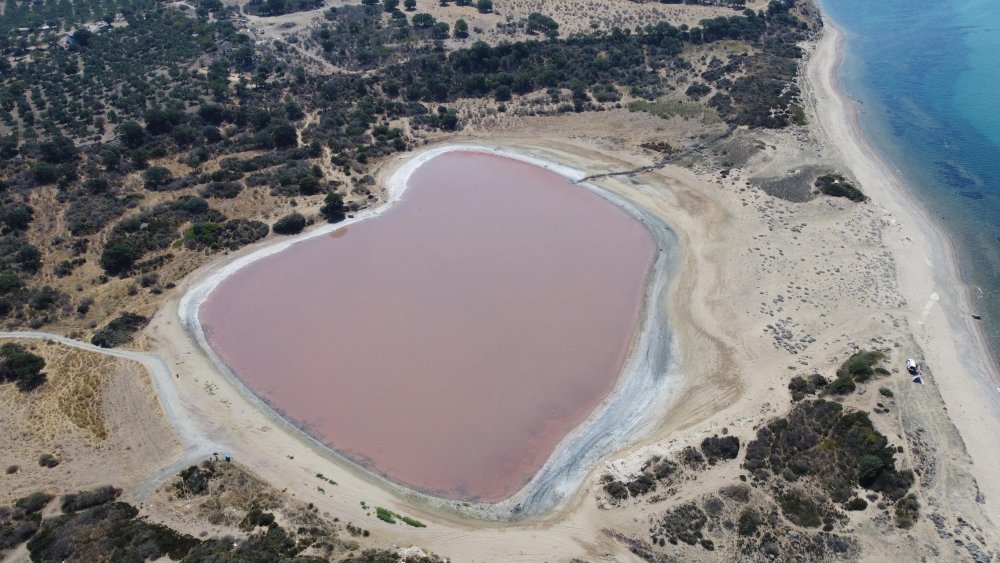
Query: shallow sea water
{"type": "Point", "coordinates": [927, 75]}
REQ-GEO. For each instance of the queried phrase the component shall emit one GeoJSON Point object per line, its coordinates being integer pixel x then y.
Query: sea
{"type": "Point", "coordinates": [926, 76]}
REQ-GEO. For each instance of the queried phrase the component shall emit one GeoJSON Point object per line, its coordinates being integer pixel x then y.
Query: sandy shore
{"type": "Point", "coordinates": [939, 302]}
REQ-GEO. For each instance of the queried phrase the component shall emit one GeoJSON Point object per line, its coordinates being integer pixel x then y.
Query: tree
{"type": "Point", "coordinates": [111, 158]}
{"type": "Point", "coordinates": [390, 5]}
{"type": "Point", "coordinates": [540, 23]}
{"type": "Point", "coordinates": [284, 135]}
{"type": "Point", "coordinates": [333, 207]}
{"type": "Point", "coordinates": [10, 282]}
{"type": "Point", "coordinates": [8, 146]}
{"type": "Point", "coordinates": [21, 366]}
{"type": "Point", "coordinates": [45, 173]}
{"type": "Point", "coordinates": [59, 150]}
{"type": "Point", "coordinates": [291, 224]}
{"type": "Point", "coordinates": [869, 466]}
{"type": "Point", "coordinates": [410, 5]}
{"type": "Point", "coordinates": [308, 185]}
{"type": "Point", "coordinates": [293, 111]}
{"type": "Point", "coordinates": [118, 258]}
{"type": "Point", "coordinates": [28, 258]}
{"type": "Point", "coordinates": [17, 217]}
{"type": "Point", "coordinates": [131, 134]}
{"type": "Point", "coordinates": [461, 29]}
{"type": "Point", "coordinates": [423, 20]}
{"type": "Point", "coordinates": [440, 30]}
{"type": "Point", "coordinates": [82, 37]}
{"type": "Point", "coordinates": [447, 118]}
{"type": "Point", "coordinates": [484, 6]}
{"type": "Point", "coordinates": [156, 177]}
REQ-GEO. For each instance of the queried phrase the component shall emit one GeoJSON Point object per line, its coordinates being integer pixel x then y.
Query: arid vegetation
{"type": "Point", "coordinates": [162, 134]}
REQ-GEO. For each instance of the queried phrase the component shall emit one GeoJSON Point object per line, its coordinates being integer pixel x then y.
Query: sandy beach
{"type": "Point", "coordinates": [939, 302]}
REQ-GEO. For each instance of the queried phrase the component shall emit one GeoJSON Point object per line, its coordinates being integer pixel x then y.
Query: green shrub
{"type": "Point", "coordinates": [385, 515]}
{"type": "Point", "coordinates": [21, 366]}
{"type": "Point", "coordinates": [641, 485]}
{"type": "Point", "coordinates": [413, 522]}
{"type": "Point", "coordinates": [861, 366]}
{"type": "Point", "coordinates": [48, 460]}
{"type": "Point", "coordinates": [10, 282]}
{"type": "Point", "coordinates": [841, 386]}
{"type": "Point", "coordinates": [907, 511]}
{"type": "Point", "coordinates": [869, 467]}
{"type": "Point", "coordinates": [837, 449]}
{"type": "Point", "coordinates": [836, 185]}
{"type": "Point", "coordinates": [856, 504]}
{"type": "Point", "coordinates": [119, 331]}
{"type": "Point", "coordinates": [716, 448]}
{"type": "Point", "coordinates": [616, 489]}
{"type": "Point", "coordinates": [800, 509]}
{"type": "Point", "coordinates": [333, 208]}
{"type": "Point", "coordinates": [291, 224]}
{"type": "Point", "coordinates": [88, 499]}
{"type": "Point", "coordinates": [256, 518]}
{"type": "Point", "coordinates": [33, 502]}
{"type": "Point", "coordinates": [157, 177]}
{"type": "Point", "coordinates": [749, 522]}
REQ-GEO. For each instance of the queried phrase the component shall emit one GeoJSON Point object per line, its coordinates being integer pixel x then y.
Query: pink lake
{"type": "Point", "coordinates": [450, 343]}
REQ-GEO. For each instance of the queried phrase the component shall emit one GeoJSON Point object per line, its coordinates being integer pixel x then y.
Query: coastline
{"type": "Point", "coordinates": [625, 413]}
{"type": "Point", "coordinates": [938, 298]}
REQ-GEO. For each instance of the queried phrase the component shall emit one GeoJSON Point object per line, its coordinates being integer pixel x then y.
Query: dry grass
{"type": "Point", "coordinates": [672, 107]}
{"type": "Point", "coordinates": [99, 416]}
{"type": "Point", "coordinates": [79, 389]}
{"type": "Point", "coordinates": [72, 395]}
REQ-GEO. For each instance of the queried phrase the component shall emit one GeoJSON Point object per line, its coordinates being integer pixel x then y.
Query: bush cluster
{"type": "Point", "coordinates": [839, 450]}
{"type": "Point", "coordinates": [22, 367]}
{"type": "Point", "coordinates": [119, 331]}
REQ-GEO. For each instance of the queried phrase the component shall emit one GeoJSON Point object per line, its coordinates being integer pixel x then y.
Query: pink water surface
{"type": "Point", "coordinates": [450, 343]}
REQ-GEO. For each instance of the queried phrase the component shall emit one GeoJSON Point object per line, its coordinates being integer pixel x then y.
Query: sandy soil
{"type": "Point", "coordinates": [98, 415]}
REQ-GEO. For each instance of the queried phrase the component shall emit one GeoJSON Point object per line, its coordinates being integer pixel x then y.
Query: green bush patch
{"type": "Point", "coordinates": [839, 450]}
{"type": "Point", "coordinates": [861, 366]}
{"type": "Point", "coordinates": [385, 515]}
{"type": "Point", "coordinates": [836, 186]}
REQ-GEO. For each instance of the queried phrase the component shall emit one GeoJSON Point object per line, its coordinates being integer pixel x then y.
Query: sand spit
{"type": "Point", "coordinates": [929, 275]}
{"type": "Point", "coordinates": [624, 415]}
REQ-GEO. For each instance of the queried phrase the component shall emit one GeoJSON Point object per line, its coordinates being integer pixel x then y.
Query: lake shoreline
{"type": "Point", "coordinates": [613, 425]}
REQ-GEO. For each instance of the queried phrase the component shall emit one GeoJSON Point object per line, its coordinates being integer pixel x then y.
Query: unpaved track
{"type": "Point", "coordinates": [196, 447]}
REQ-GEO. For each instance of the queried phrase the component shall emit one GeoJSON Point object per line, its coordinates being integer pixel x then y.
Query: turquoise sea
{"type": "Point", "coordinates": [927, 75]}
